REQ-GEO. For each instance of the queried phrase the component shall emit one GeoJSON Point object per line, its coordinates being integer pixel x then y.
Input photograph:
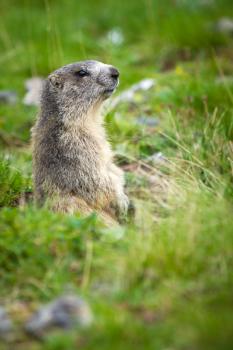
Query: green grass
{"type": "Point", "coordinates": [165, 280]}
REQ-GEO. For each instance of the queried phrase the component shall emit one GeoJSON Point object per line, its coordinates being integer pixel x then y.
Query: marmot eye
{"type": "Point", "coordinates": [81, 73]}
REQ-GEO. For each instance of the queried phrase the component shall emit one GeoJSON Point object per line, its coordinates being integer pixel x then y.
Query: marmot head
{"type": "Point", "coordinates": [76, 88]}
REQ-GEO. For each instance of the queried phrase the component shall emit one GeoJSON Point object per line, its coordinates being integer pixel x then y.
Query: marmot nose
{"type": "Point", "coordinates": [114, 73]}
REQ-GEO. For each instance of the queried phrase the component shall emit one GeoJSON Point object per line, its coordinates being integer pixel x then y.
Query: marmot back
{"type": "Point", "coordinates": [72, 160]}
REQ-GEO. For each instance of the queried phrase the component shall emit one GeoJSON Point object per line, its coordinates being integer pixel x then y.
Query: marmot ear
{"type": "Point", "coordinates": [55, 80]}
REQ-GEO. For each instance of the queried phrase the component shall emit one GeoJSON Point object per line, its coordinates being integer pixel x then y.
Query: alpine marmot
{"type": "Point", "coordinates": [72, 160]}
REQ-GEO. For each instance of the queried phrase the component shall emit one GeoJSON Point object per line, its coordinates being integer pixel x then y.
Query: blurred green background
{"type": "Point", "coordinates": [165, 280]}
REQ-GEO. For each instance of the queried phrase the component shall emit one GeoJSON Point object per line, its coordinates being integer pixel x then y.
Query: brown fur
{"type": "Point", "coordinates": [72, 159]}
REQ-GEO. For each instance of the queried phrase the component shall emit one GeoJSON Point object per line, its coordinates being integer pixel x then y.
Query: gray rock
{"type": "Point", "coordinates": [157, 158]}
{"type": "Point", "coordinates": [34, 88]}
{"type": "Point", "coordinates": [148, 121]}
{"type": "Point", "coordinates": [5, 323]}
{"type": "Point", "coordinates": [8, 97]}
{"type": "Point", "coordinates": [65, 312]}
{"type": "Point", "coordinates": [225, 25]}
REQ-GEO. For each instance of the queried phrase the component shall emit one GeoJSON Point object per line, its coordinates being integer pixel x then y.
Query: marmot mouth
{"type": "Point", "coordinates": [109, 91]}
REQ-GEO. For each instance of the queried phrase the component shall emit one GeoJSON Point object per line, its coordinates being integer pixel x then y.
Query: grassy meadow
{"type": "Point", "coordinates": [165, 279]}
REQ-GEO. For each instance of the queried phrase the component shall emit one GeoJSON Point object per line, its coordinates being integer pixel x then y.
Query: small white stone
{"type": "Point", "coordinates": [225, 25]}
{"type": "Point", "coordinates": [64, 312]}
{"type": "Point", "coordinates": [115, 36]}
{"type": "Point", "coordinates": [34, 88]}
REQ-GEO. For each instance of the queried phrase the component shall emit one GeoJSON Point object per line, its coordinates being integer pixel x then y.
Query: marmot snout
{"type": "Point", "coordinates": [72, 159]}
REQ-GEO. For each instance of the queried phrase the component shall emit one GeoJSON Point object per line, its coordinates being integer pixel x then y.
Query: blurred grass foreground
{"type": "Point", "coordinates": [164, 281]}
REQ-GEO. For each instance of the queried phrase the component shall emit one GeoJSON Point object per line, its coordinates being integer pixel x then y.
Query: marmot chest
{"type": "Point", "coordinates": [91, 140]}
